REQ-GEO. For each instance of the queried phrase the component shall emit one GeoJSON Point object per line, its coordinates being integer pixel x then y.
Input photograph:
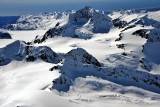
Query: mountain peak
{"type": "Point", "coordinates": [82, 56]}
{"type": "Point", "coordinates": [87, 8]}
{"type": "Point", "coordinates": [86, 12]}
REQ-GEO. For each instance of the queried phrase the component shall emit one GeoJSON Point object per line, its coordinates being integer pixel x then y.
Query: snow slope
{"type": "Point", "coordinates": [21, 77]}
{"type": "Point", "coordinates": [26, 35]}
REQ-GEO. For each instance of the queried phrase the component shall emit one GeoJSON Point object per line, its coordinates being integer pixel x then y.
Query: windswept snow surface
{"type": "Point", "coordinates": [81, 58]}
{"type": "Point", "coordinates": [20, 77]}
{"type": "Point", "coordinates": [26, 35]}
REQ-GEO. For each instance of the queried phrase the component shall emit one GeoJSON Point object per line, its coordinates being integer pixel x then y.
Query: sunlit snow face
{"type": "Point", "coordinates": [17, 7]}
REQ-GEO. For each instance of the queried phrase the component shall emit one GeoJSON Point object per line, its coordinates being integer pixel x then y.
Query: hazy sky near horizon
{"type": "Point", "coordinates": [51, 1]}
{"type": "Point", "coordinates": [18, 7]}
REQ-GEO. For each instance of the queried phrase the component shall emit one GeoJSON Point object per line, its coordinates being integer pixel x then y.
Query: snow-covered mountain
{"type": "Point", "coordinates": [80, 24]}
{"type": "Point", "coordinates": [34, 22]}
{"type": "Point", "coordinates": [81, 58]}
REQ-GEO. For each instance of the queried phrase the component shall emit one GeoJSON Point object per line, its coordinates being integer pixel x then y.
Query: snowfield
{"type": "Point", "coordinates": [81, 58]}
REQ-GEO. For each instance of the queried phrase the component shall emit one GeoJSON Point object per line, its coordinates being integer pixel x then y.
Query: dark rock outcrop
{"type": "Point", "coordinates": [5, 35]}
{"type": "Point", "coordinates": [118, 23]}
{"type": "Point", "coordinates": [142, 32]}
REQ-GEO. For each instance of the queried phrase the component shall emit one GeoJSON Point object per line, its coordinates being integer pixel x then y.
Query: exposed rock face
{"type": "Point", "coordinates": [5, 35]}
{"type": "Point", "coordinates": [42, 52]}
{"type": "Point", "coordinates": [142, 32]}
{"type": "Point", "coordinates": [120, 37]}
{"type": "Point", "coordinates": [121, 46]}
{"type": "Point", "coordinates": [82, 16]}
{"type": "Point", "coordinates": [120, 24]}
{"type": "Point", "coordinates": [129, 27]}
{"type": "Point", "coordinates": [82, 56]}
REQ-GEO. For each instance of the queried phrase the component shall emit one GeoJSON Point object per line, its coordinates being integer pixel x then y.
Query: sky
{"type": "Point", "coordinates": [19, 7]}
